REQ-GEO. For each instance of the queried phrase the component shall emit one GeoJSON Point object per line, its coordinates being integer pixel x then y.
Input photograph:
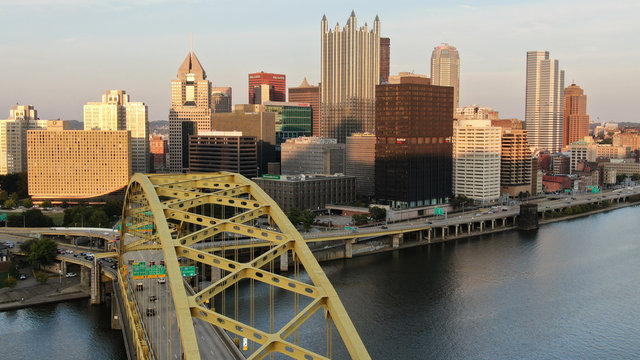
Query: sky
{"type": "Point", "coordinates": [60, 54]}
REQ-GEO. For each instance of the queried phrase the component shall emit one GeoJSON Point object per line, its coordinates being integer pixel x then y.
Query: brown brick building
{"type": "Point", "coordinates": [223, 151]}
{"type": "Point", "coordinates": [308, 94]}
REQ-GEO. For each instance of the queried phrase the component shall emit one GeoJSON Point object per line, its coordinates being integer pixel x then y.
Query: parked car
{"type": "Point", "coordinates": [69, 251]}
{"type": "Point", "coordinates": [114, 266]}
{"type": "Point", "coordinates": [23, 276]}
{"type": "Point", "coordinates": [385, 227]}
{"type": "Point", "coordinates": [71, 274]}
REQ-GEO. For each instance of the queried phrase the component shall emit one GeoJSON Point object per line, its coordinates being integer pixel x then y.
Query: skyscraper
{"type": "Point", "coordinates": [309, 94]}
{"type": "Point", "coordinates": [576, 120]}
{"type": "Point", "coordinates": [116, 112]}
{"type": "Point", "coordinates": [445, 70]}
{"type": "Point", "coordinates": [277, 83]}
{"type": "Point", "coordinates": [414, 124]}
{"type": "Point", "coordinates": [350, 72]}
{"type": "Point", "coordinates": [190, 101]}
{"type": "Point", "coordinates": [385, 57]}
{"type": "Point", "coordinates": [13, 138]}
{"type": "Point", "coordinates": [544, 102]}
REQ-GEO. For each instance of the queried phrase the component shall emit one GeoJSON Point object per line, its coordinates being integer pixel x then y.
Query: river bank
{"type": "Point", "coordinates": [380, 246]}
{"type": "Point", "coordinates": [39, 294]}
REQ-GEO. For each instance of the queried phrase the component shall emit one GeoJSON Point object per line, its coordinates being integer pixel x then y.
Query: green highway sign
{"type": "Point", "coordinates": [439, 211]}
{"type": "Point", "coordinates": [3, 217]}
{"type": "Point", "coordinates": [271, 177]}
{"type": "Point", "coordinates": [139, 270]}
{"type": "Point", "coordinates": [188, 270]}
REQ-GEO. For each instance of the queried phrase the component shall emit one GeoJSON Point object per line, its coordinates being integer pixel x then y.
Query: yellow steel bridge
{"type": "Point", "coordinates": [218, 223]}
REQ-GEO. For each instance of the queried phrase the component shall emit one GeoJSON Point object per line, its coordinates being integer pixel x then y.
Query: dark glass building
{"type": "Point", "coordinates": [413, 128]}
{"type": "Point", "coordinates": [223, 151]}
{"type": "Point", "coordinates": [293, 120]}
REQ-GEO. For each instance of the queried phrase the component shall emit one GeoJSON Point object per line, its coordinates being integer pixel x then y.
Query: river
{"type": "Point", "coordinates": [571, 290]}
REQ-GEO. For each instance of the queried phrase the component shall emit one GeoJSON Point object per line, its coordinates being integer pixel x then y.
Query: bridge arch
{"type": "Point", "coordinates": [226, 223]}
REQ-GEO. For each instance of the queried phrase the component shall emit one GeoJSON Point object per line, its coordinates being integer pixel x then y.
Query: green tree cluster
{"type": "Point", "coordinates": [360, 219]}
{"type": "Point", "coordinates": [40, 252]}
{"type": "Point", "coordinates": [306, 218]}
{"type": "Point", "coordinates": [460, 201]}
{"type": "Point", "coordinates": [15, 183]}
{"type": "Point", "coordinates": [377, 213]}
{"type": "Point", "coordinates": [92, 216]}
{"type": "Point", "coordinates": [29, 218]}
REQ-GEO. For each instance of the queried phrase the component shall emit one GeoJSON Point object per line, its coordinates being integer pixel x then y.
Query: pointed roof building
{"type": "Point", "coordinates": [191, 65]}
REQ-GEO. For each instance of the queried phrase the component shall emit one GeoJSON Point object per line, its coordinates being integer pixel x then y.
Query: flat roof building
{"type": "Point", "coordinates": [223, 151]}
{"type": "Point", "coordinates": [292, 119]}
{"type": "Point", "coordinates": [277, 86]}
{"type": "Point", "coordinates": [13, 138]}
{"type": "Point", "coordinates": [308, 191]}
{"type": "Point", "coordinates": [312, 155]}
{"type": "Point", "coordinates": [221, 99]}
{"type": "Point", "coordinates": [77, 164]}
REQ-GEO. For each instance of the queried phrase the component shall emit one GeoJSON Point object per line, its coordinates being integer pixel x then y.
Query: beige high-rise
{"type": "Point", "coordinates": [116, 112]}
{"type": "Point", "coordinates": [544, 102]}
{"type": "Point", "coordinates": [445, 70]}
{"type": "Point", "coordinates": [13, 138]}
{"type": "Point", "coordinates": [476, 159]}
{"type": "Point", "coordinates": [350, 73]}
{"type": "Point", "coordinates": [190, 101]}
{"type": "Point", "coordinates": [576, 120]}
{"type": "Point", "coordinates": [77, 164]}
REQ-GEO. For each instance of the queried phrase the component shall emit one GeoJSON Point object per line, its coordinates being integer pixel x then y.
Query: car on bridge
{"type": "Point", "coordinates": [151, 311]}
{"type": "Point", "coordinates": [153, 298]}
{"type": "Point", "coordinates": [162, 280]}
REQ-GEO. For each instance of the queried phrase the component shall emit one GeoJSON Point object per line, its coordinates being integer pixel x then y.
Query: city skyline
{"type": "Point", "coordinates": [73, 52]}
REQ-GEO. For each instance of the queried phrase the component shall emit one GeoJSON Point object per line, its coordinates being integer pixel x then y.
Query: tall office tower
{"type": "Point", "coordinates": [414, 122]}
{"type": "Point", "coordinates": [312, 155]}
{"type": "Point", "coordinates": [77, 164]}
{"type": "Point", "coordinates": [445, 70]}
{"type": "Point", "coordinates": [116, 112]}
{"type": "Point", "coordinates": [361, 162]}
{"type": "Point", "coordinates": [221, 99]}
{"type": "Point", "coordinates": [13, 138]}
{"type": "Point", "coordinates": [292, 119]}
{"type": "Point", "coordinates": [223, 151]}
{"type": "Point", "coordinates": [308, 94]}
{"type": "Point", "coordinates": [475, 112]}
{"type": "Point", "coordinates": [515, 158]}
{"type": "Point", "coordinates": [576, 120]}
{"type": "Point", "coordinates": [544, 102]}
{"type": "Point", "coordinates": [476, 160]}
{"type": "Point", "coordinates": [190, 101]}
{"type": "Point", "coordinates": [350, 73]}
{"type": "Point", "coordinates": [277, 83]}
{"type": "Point", "coordinates": [385, 56]}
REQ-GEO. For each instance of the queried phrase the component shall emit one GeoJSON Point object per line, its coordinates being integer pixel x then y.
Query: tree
{"type": "Point", "coordinates": [26, 246]}
{"type": "Point", "coordinates": [635, 177]}
{"type": "Point", "coordinates": [43, 252]}
{"type": "Point", "coordinates": [10, 203]}
{"type": "Point", "coordinates": [98, 219]}
{"type": "Point", "coordinates": [294, 215]}
{"type": "Point", "coordinates": [378, 213]}
{"type": "Point", "coordinates": [360, 219]}
{"type": "Point", "coordinates": [460, 201]}
{"type": "Point", "coordinates": [113, 208]}
{"type": "Point", "coordinates": [620, 178]}
{"type": "Point", "coordinates": [30, 218]}
{"type": "Point", "coordinates": [46, 204]}
{"type": "Point", "coordinates": [27, 203]}
{"type": "Point", "coordinates": [4, 196]}
{"type": "Point", "coordinates": [42, 277]}
{"type": "Point", "coordinates": [307, 218]}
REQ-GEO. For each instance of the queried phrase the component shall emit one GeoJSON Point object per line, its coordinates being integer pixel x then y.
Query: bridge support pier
{"type": "Point", "coordinates": [95, 284]}
{"type": "Point", "coordinates": [428, 235]}
{"type": "Point", "coordinates": [348, 248]}
{"type": "Point", "coordinates": [457, 227]}
{"type": "Point", "coordinates": [85, 276]}
{"type": "Point", "coordinates": [493, 224]}
{"type": "Point", "coordinates": [63, 267]}
{"type": "Point", "coordinates": [284, 261]}
{"type": "Point", "coordinates": [397, 240]}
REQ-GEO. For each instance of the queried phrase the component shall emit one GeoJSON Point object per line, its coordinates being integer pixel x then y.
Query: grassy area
{"type": "Point", "coordinates": [3, 277]}
{"type": "Point", "coordinates": [57, 217]}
